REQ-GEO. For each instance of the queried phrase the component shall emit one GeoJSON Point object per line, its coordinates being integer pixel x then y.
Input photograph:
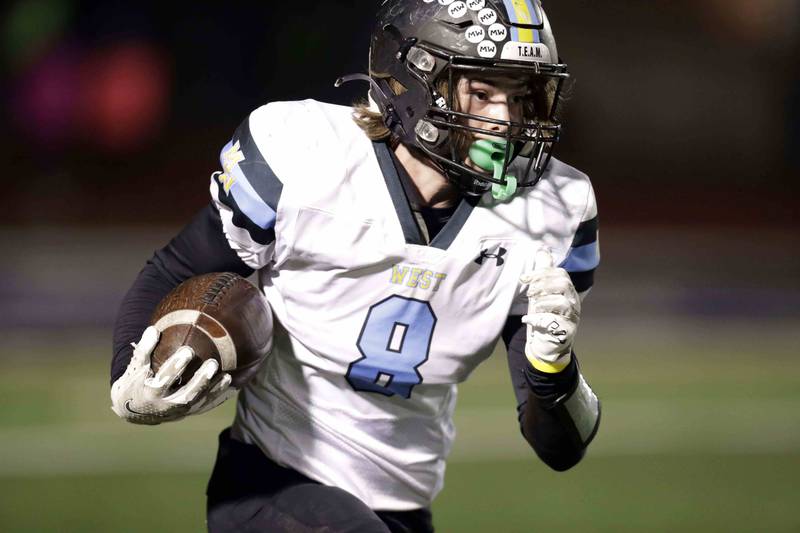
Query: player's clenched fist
{"type": "Point", "coordinates": [141, 397]}
{"type": "Point", "coordinates": [554, 310]}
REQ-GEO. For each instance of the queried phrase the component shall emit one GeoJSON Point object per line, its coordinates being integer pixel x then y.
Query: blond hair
{"type": "Point", "coordinates": [370, 121]}
{"type": "Point", "coordinates": [367, 116]}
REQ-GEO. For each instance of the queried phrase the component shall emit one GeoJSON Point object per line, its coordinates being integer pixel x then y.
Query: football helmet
{"type": "Point", "coordinates": [419, 51]}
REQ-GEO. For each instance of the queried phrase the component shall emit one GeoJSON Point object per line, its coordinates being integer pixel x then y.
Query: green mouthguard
{"type": "Point", "coordinates": [490, 155]}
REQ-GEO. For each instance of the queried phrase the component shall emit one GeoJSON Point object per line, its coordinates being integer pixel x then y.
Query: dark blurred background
{"type": "Point", "coordinates": [685, 113]}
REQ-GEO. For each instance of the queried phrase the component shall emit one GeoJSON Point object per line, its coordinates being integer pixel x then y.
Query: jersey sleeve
{"type": "Point", "coordinates": [583, 256]}
{"type": "Point", "coordinates": [580, 248]}
{"type": "Point", "coordinates": [247, 191]}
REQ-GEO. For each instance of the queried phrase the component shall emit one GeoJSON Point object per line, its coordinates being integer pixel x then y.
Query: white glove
{"type": "Point", "coordinates": [142, 398]}
{"type": "Point", "coordinates": [554, 310]}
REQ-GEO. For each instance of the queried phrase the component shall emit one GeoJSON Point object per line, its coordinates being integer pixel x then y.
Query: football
{"type": "Point", "coordinates": [220, 316]}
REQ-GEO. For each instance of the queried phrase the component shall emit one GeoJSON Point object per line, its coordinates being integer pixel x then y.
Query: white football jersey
{"type": "Point", "coordinates": [375, 328]}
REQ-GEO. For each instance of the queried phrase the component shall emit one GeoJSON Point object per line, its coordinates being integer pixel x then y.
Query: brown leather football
{"type": "Point", "coordinates": [221, 316]}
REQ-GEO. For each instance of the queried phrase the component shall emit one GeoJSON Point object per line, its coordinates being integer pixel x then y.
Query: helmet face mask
{"type": "Point", "coordinates": [420, 51]}
{"type": "Point", "coordinates": [531, 135]}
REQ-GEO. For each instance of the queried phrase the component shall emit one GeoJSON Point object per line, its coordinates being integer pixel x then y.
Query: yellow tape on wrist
{"type": "Point", "coordinates": [551, 368]}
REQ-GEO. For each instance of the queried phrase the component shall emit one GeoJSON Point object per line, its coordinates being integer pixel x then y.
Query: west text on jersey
{"type": "Point", "coordinates": [417, 277]}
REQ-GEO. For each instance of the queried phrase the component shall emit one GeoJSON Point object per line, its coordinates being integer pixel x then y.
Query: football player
{"type": "Point", "coordinates": [395, 242]}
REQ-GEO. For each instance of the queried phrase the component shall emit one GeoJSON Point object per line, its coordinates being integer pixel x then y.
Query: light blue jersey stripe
{"type": "Point", "coordinates": [250, 203]}
{"type": "Point", "coordinates": [247, 199]}
{"type": "Point", "coordinates": [582, 258]}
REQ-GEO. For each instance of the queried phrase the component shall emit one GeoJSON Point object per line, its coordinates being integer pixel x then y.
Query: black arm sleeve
{"type": "Point", "coordinates": [200, 248]}
{"type": "Point", "coordinates": [537, 392]}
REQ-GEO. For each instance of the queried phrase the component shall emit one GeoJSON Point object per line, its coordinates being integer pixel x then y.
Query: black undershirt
{"type": "Point", "coordinates": [436, 217]}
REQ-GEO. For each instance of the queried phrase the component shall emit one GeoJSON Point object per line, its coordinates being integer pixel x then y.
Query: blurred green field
{"type": "Point", "coordinates": [700, 432]}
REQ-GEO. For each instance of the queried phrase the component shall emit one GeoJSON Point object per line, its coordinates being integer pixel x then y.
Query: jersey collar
{"type": "Point", "coordinates": [395, 175]}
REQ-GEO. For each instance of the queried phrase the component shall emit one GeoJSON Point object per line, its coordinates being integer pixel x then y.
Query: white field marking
{"type": "Point", "coordinates": [628, 428]}
{"type": "Point", "coordinates": [224, 345]}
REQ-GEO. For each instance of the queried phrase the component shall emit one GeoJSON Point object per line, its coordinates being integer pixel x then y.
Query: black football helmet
{"type": "Point", "coordinates": [416, 44]}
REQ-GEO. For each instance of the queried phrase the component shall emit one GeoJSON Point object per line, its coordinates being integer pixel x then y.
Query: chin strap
{"type": "Point", "coordinates": [491, 155]}
{"type": "Point", "coordinates": [375, 95]}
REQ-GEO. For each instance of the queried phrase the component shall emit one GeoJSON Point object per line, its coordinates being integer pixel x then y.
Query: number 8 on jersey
{"type": "Point", "coordinates": [394, 341]}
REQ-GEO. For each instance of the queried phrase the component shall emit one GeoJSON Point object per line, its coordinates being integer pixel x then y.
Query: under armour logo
{"type": "Point", "coordinates": [486, 255]}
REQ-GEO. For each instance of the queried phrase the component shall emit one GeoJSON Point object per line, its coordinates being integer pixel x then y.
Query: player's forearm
{"type": "Point", "coordinates": [544, 421]}
{"type": "Point", "coordinates": [550, 433]}
{"type": "Point", "coordinates": [199, 248]}
{"type": "Point", "coordinates": [150, 286]}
